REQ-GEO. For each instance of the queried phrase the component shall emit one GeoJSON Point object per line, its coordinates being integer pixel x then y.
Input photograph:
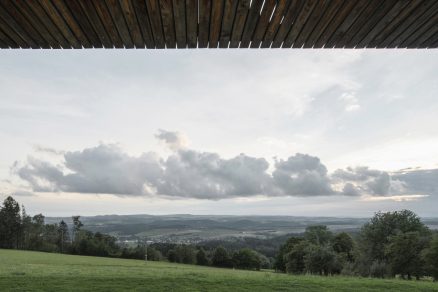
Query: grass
{"type": "Point", "coordinates": [36, 271]}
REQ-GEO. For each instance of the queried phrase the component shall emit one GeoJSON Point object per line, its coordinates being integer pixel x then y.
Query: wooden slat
{"type": "Point", "coordinates": [396, 22]}
{"type": "Point", "coordinates": [434, 42]}
{"type": "Point", "coordinates": [107, 21]}
{"type": "Point", "coordinates": [274, 24]}
{"type": "Point", "coordinates": [313, 20]}
{"type": "Point", "coordinates": [155, 18]}
{"type": "Point", "coordinates": [354, 14]}
{"type": "Point", "coordinates": [215, 23]}
{"type": "Point", "coordinates": [204, 23]}
{"type": "Point", "coordinates": [127, 9]}
{"type": "Point", "coordinates": [407, 22]}
{"type": "Point", "coordinates": [429, 42]}
{"type": "Point", "coordinates": [92, 16]}
{"type": "Point", "coordinates": [24, 22]}
{"type": "Point", "coordinates": [74, 27]}
{"type": "Point", "coordinates": [227, 22]}
{"type": "Point", "coordinates": [192, 23]}
{"type": "Point", "coordinates": [35, 22]}
{"type": "Point", "coordinates": [143, 22]}
{"type": "Point", "coordinates": [48, 23]}
{"type": "Point", "coordinates": [168, 23]}
{"type": "Point", "coordinates": [382, 22]}
{"type": "Point", "coordinates": [372, 21]}
{"type": "Point", "coordinates": [120, 23]}
{"type": "Point", "coordinates": [262, 24]}
{"type": "Point", "coordinates": [20, 31]}
{"type": "Point", "coordinates": [12, 35]}
{"type": "Point", "coordinates": [325, 20]}
{"type": "Point", "coordinates": [299, 23]}
{"type": "Point", "coordinates": [421, 20]}
{"type": "Point", "coordinates": [251, 23]}
{"type": "Point", "coordinates": [86, 27]}
{"type": "Point", "coordinates": [239, 23]}
{"type": "Point", "coordinates": [342, 13]}
{"type": "Point", "coordinates": [60, 23]}
{"type": "Point", "coordinates": [179, 13]}
{"type": "Point", "coordinates": [3, 43]}
{"type": "Point", "coordinates": [292, 13]}
{"type": "Point", "coordinates": [7, 42]}
{"type": "Point", "coordinates": [427, 30]}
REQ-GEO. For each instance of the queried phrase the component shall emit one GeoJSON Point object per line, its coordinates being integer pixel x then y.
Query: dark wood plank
{"type": "Point", "coordinates": [24, 22]}
{"type": "Point", "coordinates": [396, 21]}
{"type": "Point", "coordinates": [251, 23]}
{"type": "Point", "coordinates": [383, 22]}
{"type": "Point", "coordinates": [230, 8]}
{"type": "Point", "coordinates": [119, 20]}
{"type": "Point", "coordinates": [373, 19]}
{"type": "Point", "coordinates": [274, 24]}
{"type": "Point", "coordinates": [192, 23]}
{"type": "Point", "coordinates": [168, 23]}
{"type": "Point", "coordinates": [399, 41]}
{"type": "Point", "coordinates": [59, 21]}
{"type": "Point", "coordinates": [155, 18]}
{"type": "Point", "coordinates": [144, 22]}
{"type": "Point", "coordinates": [41, 14]}
{"type": "Point", "coordinates": [107, 21]}
{"type": "Point", "coordinates": [13, 25]}
{"type": "Point", "coordinates": [93, 17]}
{"type": "Point", "coordinates": [73, 26]}
{"type": "Point", "coordinates": [299, 23]}
{"type": "Point", "coordinates": [323, 23]}
{"type": "Point", "coordinates": [434, 42]}
{"type": "Point", "coordinates": [406, 23]}
{"type": "Point", "coordinates": [7, 42]}
{"type": "Point", "coordinates": [342, 13]}
{"type": "Point", "coordinates": [427, 30]}
{"type": "Point", "coordinates": [204, 23]}
{"type": "Point", "coordinates": [312, 21]}
{"type": "Point", "coordinates": [262, 24]}
{"type": "Point", "coordinates": [354, 14]}
{"type": "Point", "coordinates": [179, 13]}
{"type": "Point", "coordinates": [130, 22]}
{"type": "Point", "coordinates": [239, 23]}
{"type": "Point", "coordinates": [215, 23]}
{"type": "Point", "coordinates": [35, 22]}
{"type": "Point", "coordinates": [82, 20]}
{"type": "Point", "coordinates": [286, 25]}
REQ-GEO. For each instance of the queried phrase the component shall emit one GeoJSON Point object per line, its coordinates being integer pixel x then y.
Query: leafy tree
{"type": "Point", "coordinates": [221, 258]}
{"type": "Point", "coordinates": [172, 256]}
{"type": "Point", "coordinates": [404, 254]}
{"type": "Point", "coordinates": [321, 260]}
{"type": "Point", "coordinates": [343, 245]}
{"type": "Point", "coordinates": [10, 224]}
{"type": "Point", "coordinates": [153, 254]}
{"type": "Point", "coordinates": [77, 224]}
{"type": "Point", "coordinates": [201, 258]}
{"type": "Point", "coordinates": [295, 258]}
{"type": "Point", "coordinates": [318, 234]}
{"type": "Point", "coordinates": [280, 260]}
{"type": "Point", "coordinates": [246, 259]}
{"type": "Point", "coordinates": [63, 236]}
{"type": "Point", "coordinates": [430, 256]}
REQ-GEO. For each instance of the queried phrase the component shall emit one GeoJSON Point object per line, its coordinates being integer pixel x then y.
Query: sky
{"type": "Point", "coordinates": [241, 132]}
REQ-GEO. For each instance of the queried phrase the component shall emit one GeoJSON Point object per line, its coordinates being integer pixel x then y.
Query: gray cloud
{"type": "Point", "coordinates": [174, 140]}
{"type": "Point", "coordinates": [106, 169]}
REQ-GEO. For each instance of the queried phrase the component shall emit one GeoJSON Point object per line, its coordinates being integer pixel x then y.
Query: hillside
{"type": "Point", "coordinates": [35, 271]}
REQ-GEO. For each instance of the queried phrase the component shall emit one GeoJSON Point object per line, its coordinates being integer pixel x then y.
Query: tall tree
{"type": "Point", "coordinates": [10, 224]}
{"type": "Point", "coordinates": [430, 256]}
{"type": "Point", "coordinates": [77, 224]}
{"type": "Point", "coordinates": [63, 236]}
{"type": "Point", "coordinates": [318, 234]}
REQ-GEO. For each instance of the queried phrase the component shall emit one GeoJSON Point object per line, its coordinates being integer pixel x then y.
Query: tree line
{"type": "Point", "coordinates": [390, 244]}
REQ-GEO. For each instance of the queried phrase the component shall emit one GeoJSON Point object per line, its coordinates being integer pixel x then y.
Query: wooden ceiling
{"type": "Point", "coordinates": [163, 24]}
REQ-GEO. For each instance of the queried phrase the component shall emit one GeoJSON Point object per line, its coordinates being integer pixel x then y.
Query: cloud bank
{"type": "Point", "coordinates": [187, 173]}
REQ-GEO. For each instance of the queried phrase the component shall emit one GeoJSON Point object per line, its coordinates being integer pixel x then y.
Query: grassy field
{"type": "Point", "coordinates": [35, 271]}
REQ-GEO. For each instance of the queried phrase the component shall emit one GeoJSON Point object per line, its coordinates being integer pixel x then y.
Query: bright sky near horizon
{"type": "Point", "coordinates": [272, 132]}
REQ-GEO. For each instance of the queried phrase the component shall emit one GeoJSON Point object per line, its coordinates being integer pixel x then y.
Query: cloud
{"type": "Point", "coordinates": [187, 173]}
{"type": "Point", "coordinates": [43, 149]}
{"type": "Point", "coordinates": [174, 140]}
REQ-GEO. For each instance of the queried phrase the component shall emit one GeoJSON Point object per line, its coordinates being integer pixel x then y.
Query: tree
{"type": "Point", "coordinates": [201, 258]}
{"type": "Point", "coordinates": [246, 259]}
{"type": "Point", "coordinates": [221, 258]}
{"type": "Point", "coordinates": [343, 245]}
{"type": "Point", "coordinates": [321, 260]}
{"type": "Point", "coordinates": [430, 256]}
{"type": "Point", "coordinates": [63, 236]}
{"type": "Point", "coordinates": [171, 256]}
{"type": "Point", "coordinates": [77, 224]}
{"type": "Point", "coordinates": [294, 259]}
{"type": "Point", "coordinates": [404, 254]}
{"type": "Point", "coordinates": [10, 224]}
{"type": "Point", "coordinates": [280, 260]}
{"type": "Point", "coordinates": [318, 234]}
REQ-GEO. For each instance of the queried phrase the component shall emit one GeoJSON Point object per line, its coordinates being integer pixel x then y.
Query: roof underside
{"type": "Point", "coordinates": [218, 24]}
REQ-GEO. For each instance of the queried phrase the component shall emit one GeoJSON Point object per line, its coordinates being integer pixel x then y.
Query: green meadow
{"type": "Point", "coordinates": [37, 271]}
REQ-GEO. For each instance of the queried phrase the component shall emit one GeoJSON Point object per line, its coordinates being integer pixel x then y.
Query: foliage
{"type": "Point", "coordinates": [430, 256]}
{"type": "Point", "coordinates": [221, 258]}
{"type": "Point", "coordinates": [246, 259]}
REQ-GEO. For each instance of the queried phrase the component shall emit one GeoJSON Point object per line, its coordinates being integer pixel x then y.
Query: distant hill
{"type": "Point", "coordinates": [184, 228]}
